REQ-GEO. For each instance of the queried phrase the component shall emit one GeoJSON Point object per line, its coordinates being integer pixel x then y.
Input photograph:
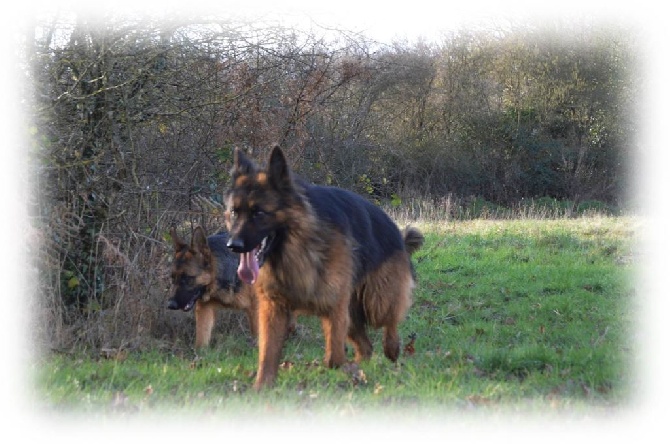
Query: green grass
{"type": "Point", "coordinates": [507, 315]}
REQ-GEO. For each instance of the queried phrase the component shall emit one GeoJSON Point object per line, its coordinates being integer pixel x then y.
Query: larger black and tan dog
{"type": "Point", "coordinates": [319, 250]}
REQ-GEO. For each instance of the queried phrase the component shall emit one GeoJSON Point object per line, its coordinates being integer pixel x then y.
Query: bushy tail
{"type": "Point", "coordinates": [413, 239]}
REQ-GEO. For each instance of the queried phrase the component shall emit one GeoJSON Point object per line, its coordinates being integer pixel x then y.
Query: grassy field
{"type": "Point", "coordinates": [521, 315]}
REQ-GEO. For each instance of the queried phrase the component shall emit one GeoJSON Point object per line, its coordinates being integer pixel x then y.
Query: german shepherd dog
{"type": "Point", "coordinates": [319, 250]}
{"type": "Point", "coordinates": [204, 276]}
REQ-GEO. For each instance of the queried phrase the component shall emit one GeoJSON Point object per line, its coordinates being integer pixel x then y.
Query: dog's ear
{"type": "Point", "coordinates": [241, 164]}
{"type": "Point", "coordinates": [176, 240]}
{"type": "Point", "coordinates": [278, 170]}
{"type": "Point", "coordinates": [199, 240]}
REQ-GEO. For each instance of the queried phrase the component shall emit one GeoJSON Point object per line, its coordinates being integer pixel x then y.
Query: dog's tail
{"type": "Point", "coordinates": [413, 239]}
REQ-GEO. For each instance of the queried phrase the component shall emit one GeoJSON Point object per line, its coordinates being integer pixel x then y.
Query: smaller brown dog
{"type": "Point", "coordinates": [204, 276]}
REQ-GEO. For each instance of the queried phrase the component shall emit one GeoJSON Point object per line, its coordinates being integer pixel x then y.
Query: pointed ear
{"type": "Point", "coordinates": [241, 164]}
{"type": "Point", "coordinates": [199, 240]}
{"type": "Point", "coordinates": [176, 240]}
{"type": "Point", "coordinates": [278, 170]}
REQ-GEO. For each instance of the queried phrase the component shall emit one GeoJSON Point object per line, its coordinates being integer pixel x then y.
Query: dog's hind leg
{"type": "Point", "coordinates": [251, 309]}
{"type": "Point", "coordinates": [292, 323]}
{"type": "Point", "coordinates": [253, 322]}
{"type": "Point", "coordinates": [357, 333]}
{"type": "Point", "coordinates": [391, 342]}
{"type": "Point", "coordinates": [387, 298]}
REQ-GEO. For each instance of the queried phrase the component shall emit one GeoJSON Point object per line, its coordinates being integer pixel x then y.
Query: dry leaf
{"type": "Point", "coordinates": [409, 349]}
{"type": "Point", "coordinates": [357, 375]}
{"type": "Point", "coordinates": [119, 400]}
{"type": "Point", "coordinates": [197, 362]}
{"type": "Point", "coordinates": [116, 354]}
{"type": "Point", "coordinates": [478, 400]}
{"type": "Point", "coordinates": [479, 372]}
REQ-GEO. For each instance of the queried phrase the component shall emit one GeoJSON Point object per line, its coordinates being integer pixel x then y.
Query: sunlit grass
{"type": "Point", "coordinates": [506, 313]}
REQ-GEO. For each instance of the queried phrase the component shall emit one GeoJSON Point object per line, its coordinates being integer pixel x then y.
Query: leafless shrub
{"type": "Point", "coordinates": [135, 124]}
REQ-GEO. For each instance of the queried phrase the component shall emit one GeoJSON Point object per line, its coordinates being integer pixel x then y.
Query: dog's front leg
{"type": "Point", "coordinates": [335, 327]}
{"type": "Point", "coordinates": [272, 324]}
{"type": "Point", "coordinates": [205, 317]}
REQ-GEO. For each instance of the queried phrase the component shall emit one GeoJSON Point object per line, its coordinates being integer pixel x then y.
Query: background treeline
{"type": "Point", "coordinates": [134, 121]}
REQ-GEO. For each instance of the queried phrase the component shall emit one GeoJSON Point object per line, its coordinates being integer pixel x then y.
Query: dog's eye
{"type": "Point", "coordinates": [257, 212]}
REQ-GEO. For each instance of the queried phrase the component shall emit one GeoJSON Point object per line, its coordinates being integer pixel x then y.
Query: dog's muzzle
{"type": "Point", "coordinates": [173, 305]}
{"type": "Point", "coordinates": [251, 259]}
{"type": "Point", "coordinates": [236, 245]}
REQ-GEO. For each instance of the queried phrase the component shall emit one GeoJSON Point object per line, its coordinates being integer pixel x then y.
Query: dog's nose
{"type": "Point", "coordinates": [172, 305]}
{"type": "Point", "coordinates": [236, 244]}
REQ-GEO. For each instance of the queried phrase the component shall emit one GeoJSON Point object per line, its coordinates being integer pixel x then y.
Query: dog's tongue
{"type": "Point", "coordinates": [248, 269]}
